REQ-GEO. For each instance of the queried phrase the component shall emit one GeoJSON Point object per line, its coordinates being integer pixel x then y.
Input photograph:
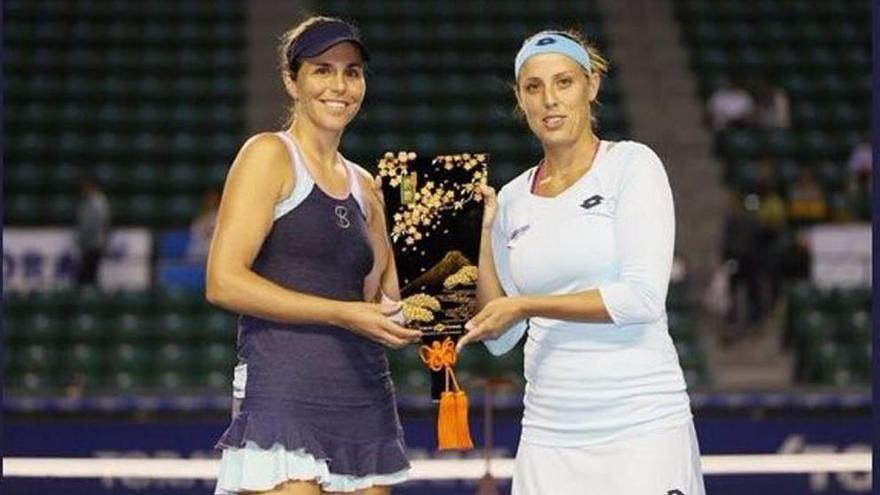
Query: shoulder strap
{"type": "Point", "coordinates": [355, 176]}
{"type": "Point", "coordinates": [303, 180]}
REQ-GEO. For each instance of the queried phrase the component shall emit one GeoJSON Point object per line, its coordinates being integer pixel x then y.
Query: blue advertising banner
{"type": "Point", "coordinates": [194, 440]}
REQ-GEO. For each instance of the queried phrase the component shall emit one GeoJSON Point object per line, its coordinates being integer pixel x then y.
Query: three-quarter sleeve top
{"type": "Point", "coordinates": [613, 231]}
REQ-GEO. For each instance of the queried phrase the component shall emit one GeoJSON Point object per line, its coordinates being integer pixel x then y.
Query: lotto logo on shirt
{"type": "Point", "coordinates": [591, 202]}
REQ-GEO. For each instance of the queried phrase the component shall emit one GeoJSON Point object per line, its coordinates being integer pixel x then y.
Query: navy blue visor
{"type": "Point", "coordinates": [321, 37]}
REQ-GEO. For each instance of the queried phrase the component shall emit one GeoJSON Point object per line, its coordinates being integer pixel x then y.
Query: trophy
{"type": "Point", "coordinates": [435, 211]}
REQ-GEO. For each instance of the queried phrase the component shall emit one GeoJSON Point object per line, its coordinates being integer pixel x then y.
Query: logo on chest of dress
{"type": "Point", "coordinates": [342, 217]}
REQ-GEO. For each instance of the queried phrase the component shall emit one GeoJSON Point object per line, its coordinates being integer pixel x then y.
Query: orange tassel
{"type": "Point", "coordinates": [453, 430]}
{"type": "Point", "coordinates": [447, 436]}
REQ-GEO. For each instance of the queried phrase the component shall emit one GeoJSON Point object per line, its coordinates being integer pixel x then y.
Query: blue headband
{"type": "Point", "coordinates": [320, 37]}
{"type": "Point", "coordinates": [552, 42]}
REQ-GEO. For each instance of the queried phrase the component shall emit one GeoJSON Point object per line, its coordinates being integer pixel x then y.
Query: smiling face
{"type": "Point", "coordinates": [555, 93]}
{"type": "Point", "coordinates": [329, 88]}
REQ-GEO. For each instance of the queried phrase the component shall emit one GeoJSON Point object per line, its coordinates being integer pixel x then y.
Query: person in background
{"type": "Point", "coordinates": [741, 244]}
{"type": "Point", "coordinates": [773, 220]}
{"type": "Point", "coordinates": [859, 196]}
{"type": "Point", "coordinates": [771, 106]}
{"type": "Point", "coordinates": [806, 202]}
{"type": "Point", "coordinates": [861, 158]}
{"type": "Point", "coordinates": [730, 104]}
{"type": "Point", "coordinates": [92, 230]}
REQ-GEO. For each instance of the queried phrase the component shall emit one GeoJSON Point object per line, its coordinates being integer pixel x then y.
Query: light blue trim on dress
{"type": "Point", "coordinates": [254, 469]}
{"type": "Point", "coordinates": [304, 181]}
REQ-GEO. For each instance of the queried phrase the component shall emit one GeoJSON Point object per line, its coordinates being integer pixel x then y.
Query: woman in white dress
{"type": "Point", "coordinates": [576, 255]}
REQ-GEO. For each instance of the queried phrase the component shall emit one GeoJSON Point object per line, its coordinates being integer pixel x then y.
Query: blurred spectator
{"type": "Point", "coordinates": [859, 196]}
{"type": "Point", "coordinates": [771, 106]}
{"type": "Point", "coordinates": [202, 228]}
{"type": "Point", "coordinates": [740, 249]}
{"type": "Point", "coordinates": [766, 175]}
{"type": "Point", "coordinates": [730, 104]}
{"type": "Point", "coordinates": [92, 230]}
{"type": "Point", "coordinates": [797, 260]}
{"type": "Point", "coordinates": [807, 201]}
{"type": "Point", "coordinates": [861, 158]}
{"type": "Point", "coordinates": [772, 218]}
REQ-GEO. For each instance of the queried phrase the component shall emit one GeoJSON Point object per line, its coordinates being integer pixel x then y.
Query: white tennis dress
{"type": "Point", "coordinates": [598, 395]}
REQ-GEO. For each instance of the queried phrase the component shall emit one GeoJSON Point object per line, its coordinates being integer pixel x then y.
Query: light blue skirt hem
{"type": "Point", "coordinates": [254, 469]}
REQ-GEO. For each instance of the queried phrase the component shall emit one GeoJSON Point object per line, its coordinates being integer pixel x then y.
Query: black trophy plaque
{"type": "Point", "coordinates": [435, 210]}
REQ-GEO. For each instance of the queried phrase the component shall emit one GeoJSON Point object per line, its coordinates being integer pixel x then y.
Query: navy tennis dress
{"type": "Point", "coordinates": [313, 402]}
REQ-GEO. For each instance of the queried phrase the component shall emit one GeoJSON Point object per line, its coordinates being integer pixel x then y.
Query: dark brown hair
{"type": "Point", "coordinates": [291, 67]}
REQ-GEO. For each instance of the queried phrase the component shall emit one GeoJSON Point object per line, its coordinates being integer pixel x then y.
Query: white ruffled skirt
{"type": "Point", "coordinates": [254, 469]}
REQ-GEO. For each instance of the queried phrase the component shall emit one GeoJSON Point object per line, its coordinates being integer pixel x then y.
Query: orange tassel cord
{"type": "Point", "coordinates": [453, 431]}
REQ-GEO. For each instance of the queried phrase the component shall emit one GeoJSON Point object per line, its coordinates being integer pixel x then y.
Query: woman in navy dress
{"type": "Point", "coordinates": [300, 251]}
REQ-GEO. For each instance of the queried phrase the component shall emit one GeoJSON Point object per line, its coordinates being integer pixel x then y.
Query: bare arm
{"type": "Point", "coordinates": [259, 177]}
{"type": "Point", "coordinates": [488, 286]}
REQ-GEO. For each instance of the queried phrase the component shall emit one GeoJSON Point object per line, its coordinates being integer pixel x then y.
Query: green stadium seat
{"type": "Point", "coordinates": [89, 300]}
{"type": "Point", "coordinates": [218, 326]}
{"type": "Point", "coordinates": [55, 302]}
{"type": "Point", "coordinates": [82, 359]}
{"type": "Point", "coordinates": [180, 210]}
{"type": "Point", "coordinates": [130, 357]}
{"type": "Point", "coordinates": [26, 178]}
{"type": "Point", "coordinates": [13, 329]}
{"type": "Point", "coordinates": [681, 327]}
{"type": "Point", "coordinates": [696, 378]}
{"type": "Point", "coordinates": [130, 328]}
{"type": "Point", "coordinates": [216, 357]}
{"type": "Point", "coordinates": [779, 143]}
{"type": "Point", "coordinates": [814, 326]}
{"type": "Point", "coordinates": [173, 357]}
{"type": "Point", "coordinates": [855, 328]}
{"type": "Point", "coordinates": [123, 381]}
{"type": "Point", "coordinates": [689, 355]}
{"type": "Point", "coordinates": [39, 328]}
{"type": "Point", "coordinates": [137, 301]}
{"type": "Point", "coordinates": [177, 299]}
{"type": "Point", "coordinates": [23, 209]}
{"type": "Point", "coordinates": [137, 209]}
{"type": "Point", "coordinates": [832, 176]}
{"type": "Point", "coordinates": [32, 382]}
{"type": "Point", "coordinates": [828, 365]}
{"type": "Point", "coordinates": [860, 357]}
{"type": "Point", "coordinates": [86, 328]}
{"type": "Point", "coordinates": [172, 327]}
{"type": "Point", "coordinates": [35, 358]}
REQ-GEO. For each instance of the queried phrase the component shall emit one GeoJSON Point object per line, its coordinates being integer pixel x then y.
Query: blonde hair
{"type": "Point", "coordinates": [598, 65]}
